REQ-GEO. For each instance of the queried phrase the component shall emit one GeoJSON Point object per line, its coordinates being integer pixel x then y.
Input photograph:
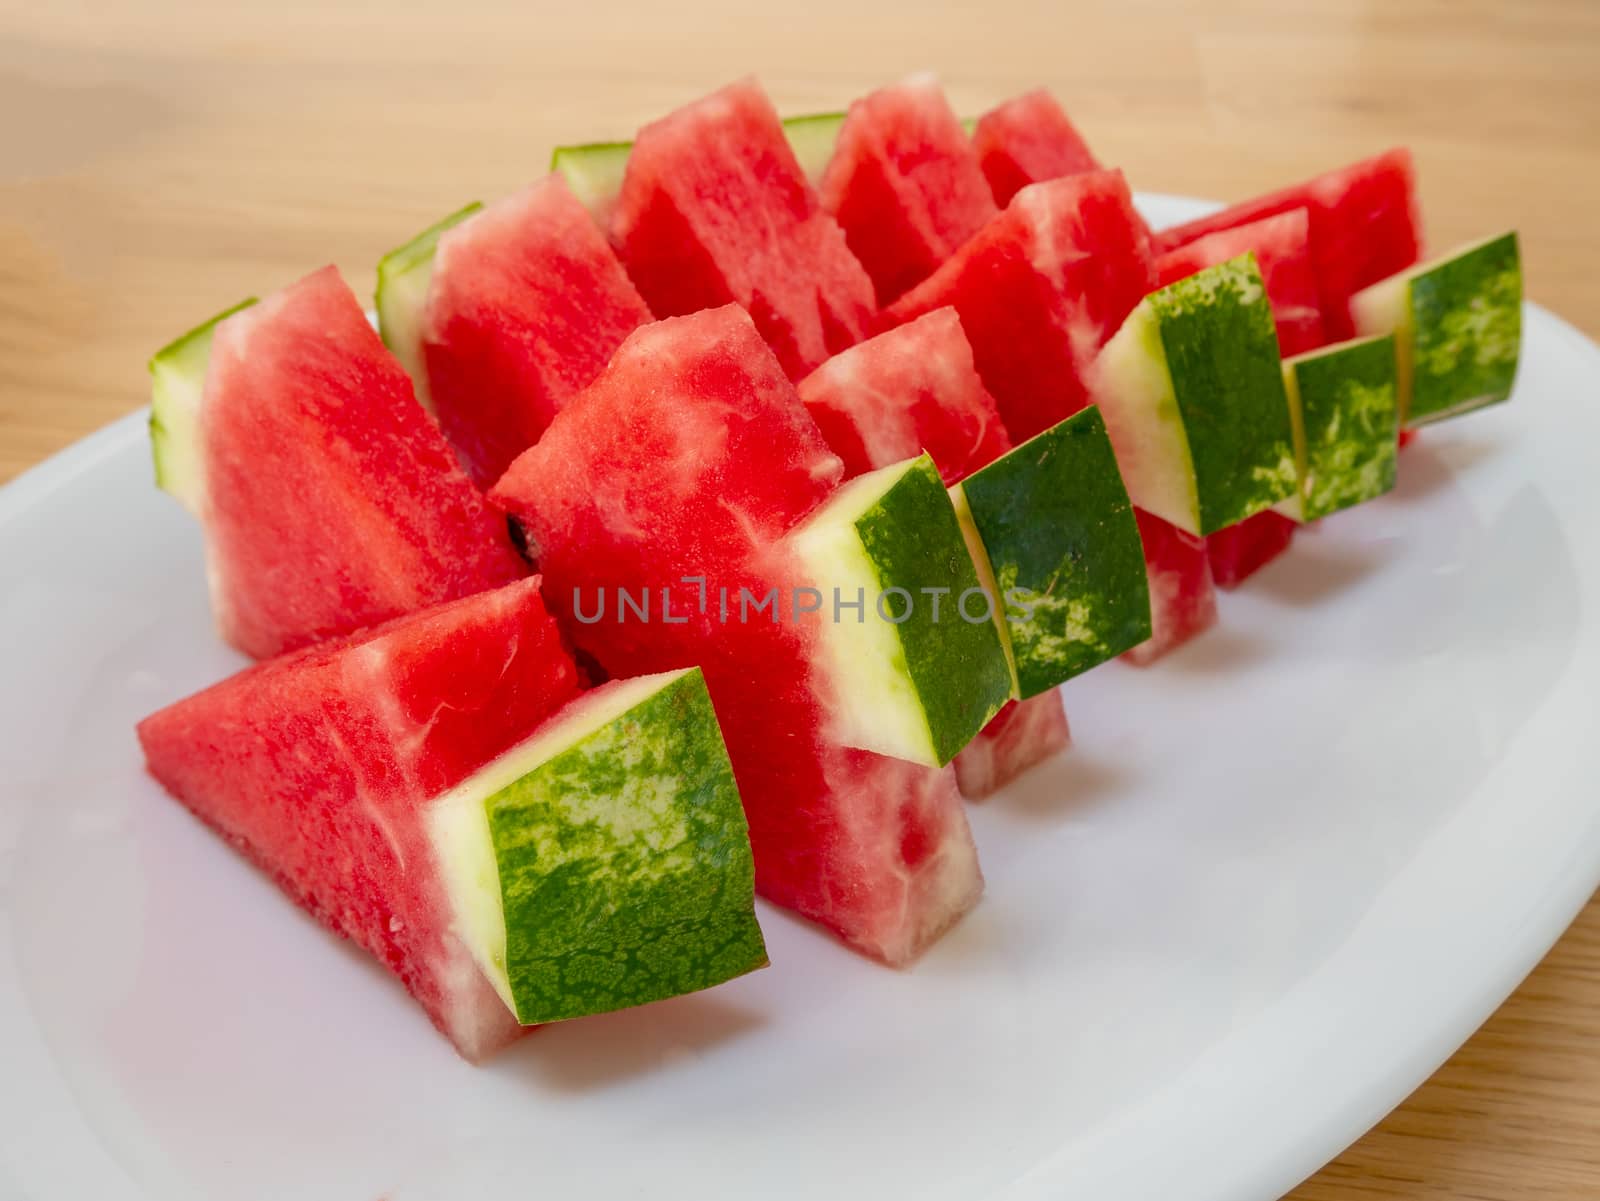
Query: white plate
{"type": "Point", "coordinates": [1280, 877]}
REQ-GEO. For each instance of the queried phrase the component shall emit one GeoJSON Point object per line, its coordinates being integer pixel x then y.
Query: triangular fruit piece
{"type": "Point", "coordinates": [316, 767]}
{"type": "Point", "coordinates": [1457, 322]}
{"type": "Point", "coordinates": [673, 478]}
{"type": "Point", "coordinates": [513, 310]}
{"type": "Point", "coordinates": [911, 389]}
{"type": "Point", "coordinates": [715, 208]}
{"type": "Point", "coordinates": [1192, 392]}
{"type": "Point", "coordinates": [1023, 735]}
{"type": "Point", "coordinates": [1039, 290]}
{"type": "Point", "coordinates": [1183, 600]}
{"type": "Point", "coordinates": [1364, 228]}
{"type": "Point", "coordinates": [328, 497]}
{"type": "Point", "coordinates": [1241, 550]}
{"type": "Point", "coordinates": [1026, 140]}
{"type": "Point", "coordinates": [904, 184]}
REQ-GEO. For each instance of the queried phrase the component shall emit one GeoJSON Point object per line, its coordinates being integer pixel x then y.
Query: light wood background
{"type": "Point", "coordinates": [160, 159]}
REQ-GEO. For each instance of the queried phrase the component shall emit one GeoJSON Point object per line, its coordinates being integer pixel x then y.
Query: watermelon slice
{"type": "Point", "coordinates": [1457, 323]}
{"type": "Point", "coordinates": [1052, 526]}
{"type": "Point", "coordinates": [316, 766]}
{"type": "Point", "coordinates": [1023, 735]}
{"type": "Point", "coordinates": [1040, 289]}
{"type": "Point", "coordinates": [521, 305]}
{"type": "Point", "coordinates": [1193, 395]}
{"type": "Point", "coordinates": [1282, 248]}
{"type": "Point", "coordinates": [1026, 140]}
{"type": "Point", "coordinates": [677, 472]}
{"type": "Point", "coordinates": [911, 389]}
{"type": "Point", "coordinates": [328, 497]}
{"type": "Point", "coordinates": [1345, 401]}
{"type": "Point", "coordinates": [904, 184]}
{"type": "Point", "coordinates": [1364, 228]}
{"type": "Point", "coordinates": [715, 208]}
{"type": "Point", "coordinates": [1183, 601]}
{"type": "Point", "coordinates": [594, 170]}
{"type": "Point", "coordinates": [913, 674]}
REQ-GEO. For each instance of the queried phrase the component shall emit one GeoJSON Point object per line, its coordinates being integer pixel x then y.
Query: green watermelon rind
{"type": "Point", "coordinates": [606, 862]}
{"type": "Point", "coordinates": [177, 383]}
{"type": "Point", "coordinates": [919, 687]}
{"type": "Point", "coordinates": [812, 137]}
{"type": "Point", "coordinates": [1056, 523]}
{"type": "Point", "coordinates": [1457, 320]}
{"type": "Point", "coordinates": [1192, 391]}
{"type": "Point", "coordinates": [404, 277]}
{"type": "Point", "coordinates": [1345, 401]}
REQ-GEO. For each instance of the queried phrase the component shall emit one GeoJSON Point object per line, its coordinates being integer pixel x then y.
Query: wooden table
{"type": "Point", "coordinates": [159, 160]}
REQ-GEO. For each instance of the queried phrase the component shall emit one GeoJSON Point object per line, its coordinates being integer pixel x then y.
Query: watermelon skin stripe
{"type": "Point", "coordinates": [1347, 423]}
{"type": "Point", "coordinates": [1055, 519]}
{"type": "Point", "coordinates": [624, 864]}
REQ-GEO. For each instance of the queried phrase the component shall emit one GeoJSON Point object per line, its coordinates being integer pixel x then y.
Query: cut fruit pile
{"type": "Point", "coordinates": [839, 444]}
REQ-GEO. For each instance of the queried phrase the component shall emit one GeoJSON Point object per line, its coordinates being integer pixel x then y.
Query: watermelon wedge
{"type": "Point", "coordinates": [675, 474]}
{"type": "Point", "coordinates": [715, 208]}
{"type": "Point", "coordinates": [1363, 221]}
{"type": "Point", "coordinates": [911, 389]}
{"type": "Point", "coordinates": [328, 497]}
{"type": "Point", "coordinates": [1282, 248]}
{"type": "Point", "coordinates": [1023, 735]}
{"type": "Point", "coordinates": [1027, 140]}
{"type": "Point", "coordinates": [521, 305]}
{"type": "Point", "coordinates": [1183, 600]}
{"type": "Point", "coordinates": [1457, 324]}
{"type": "Point", "coordinates": [1040, 289]}
{"type": "Point", "coordinates": [904, 184]}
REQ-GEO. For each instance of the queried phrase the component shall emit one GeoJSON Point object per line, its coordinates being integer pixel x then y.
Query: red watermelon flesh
{"type": "Point", "coordinates": [1028, 139]}
{"type": "Point", "coordinates": [332, 501]}
{"type": "Point", "coordinates": [526, 303]}
{"type": "Point", "coordinates": [1364, 228]}
{"type": "Point", "coordinates": [687, 457]}
{"type": "Point", "coordinates": [911, 389]}
{"type": "Point", "coordinates": [1040, 289]}
{"type": "Point", "coordinates": [317, 766]}
{"type": "Point", "coordinates": [1023, 734]}
{"type": "Point", "coordinates": [1282, 248]}
{"type": "Point", "coordinates": [1183, 601]}
{"type": "Point", "coordinates": [714, 208]}
{"type": "Point", "coordinates": [1240, 551]}
{"type": "Point", "coordinates": [905, 184]}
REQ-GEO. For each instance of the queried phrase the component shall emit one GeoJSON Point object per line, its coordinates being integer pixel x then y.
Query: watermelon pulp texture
{"type": "Point", "coordinates": [687, 457]}
{"type": "Point", "coordinates": [1183, 600]}
{"type": "Point", "coordinates": [1282, 248]}
{"type": "Point", "coordinates": [1028, 139]}
{"type": "Point", "coordinates": [526, 304]}
{"type": "Point", "coordinates": [1364, 227]}
{"type": "Point", "coordinates": [1039, 290]}
{"type": "Point", "coordinates": [1023, 735]}
{"type": "Point", "coordinates": [332, 501]}
{"type": "Point", "coordinates": [910, 389]}
{"type": "Point", "coordinates": [715, 208]}
{"type": "Point", "coordinates": [317, 767]}
{"type": "Point", "coordinates": [904, 184]}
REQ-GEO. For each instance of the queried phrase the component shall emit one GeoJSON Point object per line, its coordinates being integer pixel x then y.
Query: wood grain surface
{"type": "Point", "coordinates": [160, 159]}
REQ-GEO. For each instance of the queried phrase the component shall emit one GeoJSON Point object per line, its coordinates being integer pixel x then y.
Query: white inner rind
{"type": "Point", "coordinates": [1293, 506]}
{"type": "Point", "coordinates": [986, 577]}
{"type": "Point", "coordinates": [1385, 308]}
{"type": "Point", "coordinates": [1132, 384]}
{"type": "Point", "coordinates": [875, 706]}
{"type": "Point", "coordinates": [177, 387]}
{"type": "Point", "coordinates": [402, 298]}
{"type": "Point", "coordinates": [457, 821]}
